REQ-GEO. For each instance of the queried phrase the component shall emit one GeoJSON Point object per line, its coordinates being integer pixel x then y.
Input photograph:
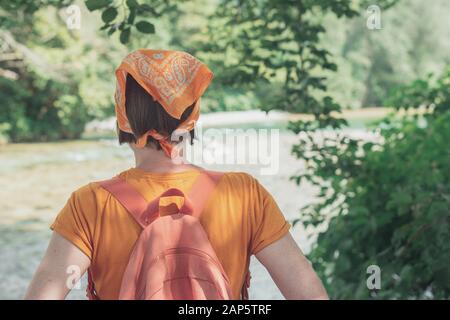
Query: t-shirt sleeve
{"type": "Point", "coordinates": [269, 223]}
{"type": "Point", "coordinates": [76, 220]}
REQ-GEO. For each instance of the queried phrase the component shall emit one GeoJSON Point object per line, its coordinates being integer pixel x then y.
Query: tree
{"type": "Point", "coordinates": [394, 202]}
{"type": "Point", "coordinates": [48, 85]}
{"type": "Point", "coordinates": [132, 15]}
{"type": "Point", "coordinates": [373, 62]}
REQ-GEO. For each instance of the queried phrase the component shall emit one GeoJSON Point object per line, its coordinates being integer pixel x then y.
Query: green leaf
{"type": "Point", "coordinates": [132, 16]}
{"type": "Point", "coordinates": [93, 5]}
{"type": "Point", "coordinates": [111, 31]}
{"type": "Point", "coordinates": [147, 8]}
{"type": "Point", "coordinates": [125, 35]}
{"type": "Point", "coordinates": [122, 26]}
{"type": "Point", "coordinates": [145, 27]}
{"type": "Point", "coordinates": [132, 3]}
{"type": "Point", "coordinates": [109, 14]}
{"type": "Point", "coordinates": [105, 26]}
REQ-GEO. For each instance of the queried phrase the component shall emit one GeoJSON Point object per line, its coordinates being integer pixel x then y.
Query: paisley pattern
{"type": "Point", "coordinates": [175, 79]}
{"type": "Point", "coordinates": [170, 76]}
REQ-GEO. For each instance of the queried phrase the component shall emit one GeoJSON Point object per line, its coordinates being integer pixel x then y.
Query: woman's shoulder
{"type": "Point", "coordinates": [239, 176]}
{"type": "Point", "coordinates": [91, 191]}
{"type": "Point", "coordinates": [240, 181]}
{"type": "Point", "coordinates": [94, 188]}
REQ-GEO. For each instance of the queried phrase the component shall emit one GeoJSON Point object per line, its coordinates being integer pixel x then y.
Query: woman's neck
{"type": "Point", "coordinates": [152, 160]}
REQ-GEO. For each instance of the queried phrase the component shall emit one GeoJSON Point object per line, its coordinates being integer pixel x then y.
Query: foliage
{"type": "Point", "coordinates": [41, 110]}
{"type": "Point", "coordinates": [392, 204]}
{"type": "Point", "coordinates": [48, 84]}
{"type": "Point", "coordinates": [432, 95]}
{"type": "Point", "coordinates": [130, 11]}
{"type": "Point", "coordinates": [274, 41]}
{"type": "Point", "coordinates": [372, 62]}
{"type": "Point", "coordinates": [116, 15]}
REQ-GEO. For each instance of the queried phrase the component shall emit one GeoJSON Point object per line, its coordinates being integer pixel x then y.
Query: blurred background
{"type": "Point", "coordinates": [360, 91]}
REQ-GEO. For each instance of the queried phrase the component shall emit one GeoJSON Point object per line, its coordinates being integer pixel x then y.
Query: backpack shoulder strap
{"type": "Point", "coordinates": [132, 201]}
{"type": "Point", "coordinates": [128, 196]}
{"type": "Point", "coordinates": [202, 188]}
{"type": "Point", "coordinates": [199, 195]}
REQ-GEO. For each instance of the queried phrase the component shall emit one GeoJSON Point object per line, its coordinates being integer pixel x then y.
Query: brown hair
{"type": "Point", "coordinates": [144, 114]}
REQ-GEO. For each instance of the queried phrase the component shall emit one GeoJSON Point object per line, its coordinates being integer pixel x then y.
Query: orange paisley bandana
{"type": "Point", "coordinates": [173, 78]}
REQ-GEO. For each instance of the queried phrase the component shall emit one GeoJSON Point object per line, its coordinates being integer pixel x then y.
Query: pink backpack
{"type": "Point", "coordinates": [172, 258]}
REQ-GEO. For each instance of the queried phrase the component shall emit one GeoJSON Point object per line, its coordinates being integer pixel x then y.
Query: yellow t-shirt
{"type": "Point", "coordinates": [240, 219]}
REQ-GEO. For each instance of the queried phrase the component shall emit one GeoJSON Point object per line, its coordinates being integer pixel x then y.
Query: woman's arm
{"type": "Point", "coordinates": [62, 263]}
{"type": "Point", "coordinates": [291, 271]}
